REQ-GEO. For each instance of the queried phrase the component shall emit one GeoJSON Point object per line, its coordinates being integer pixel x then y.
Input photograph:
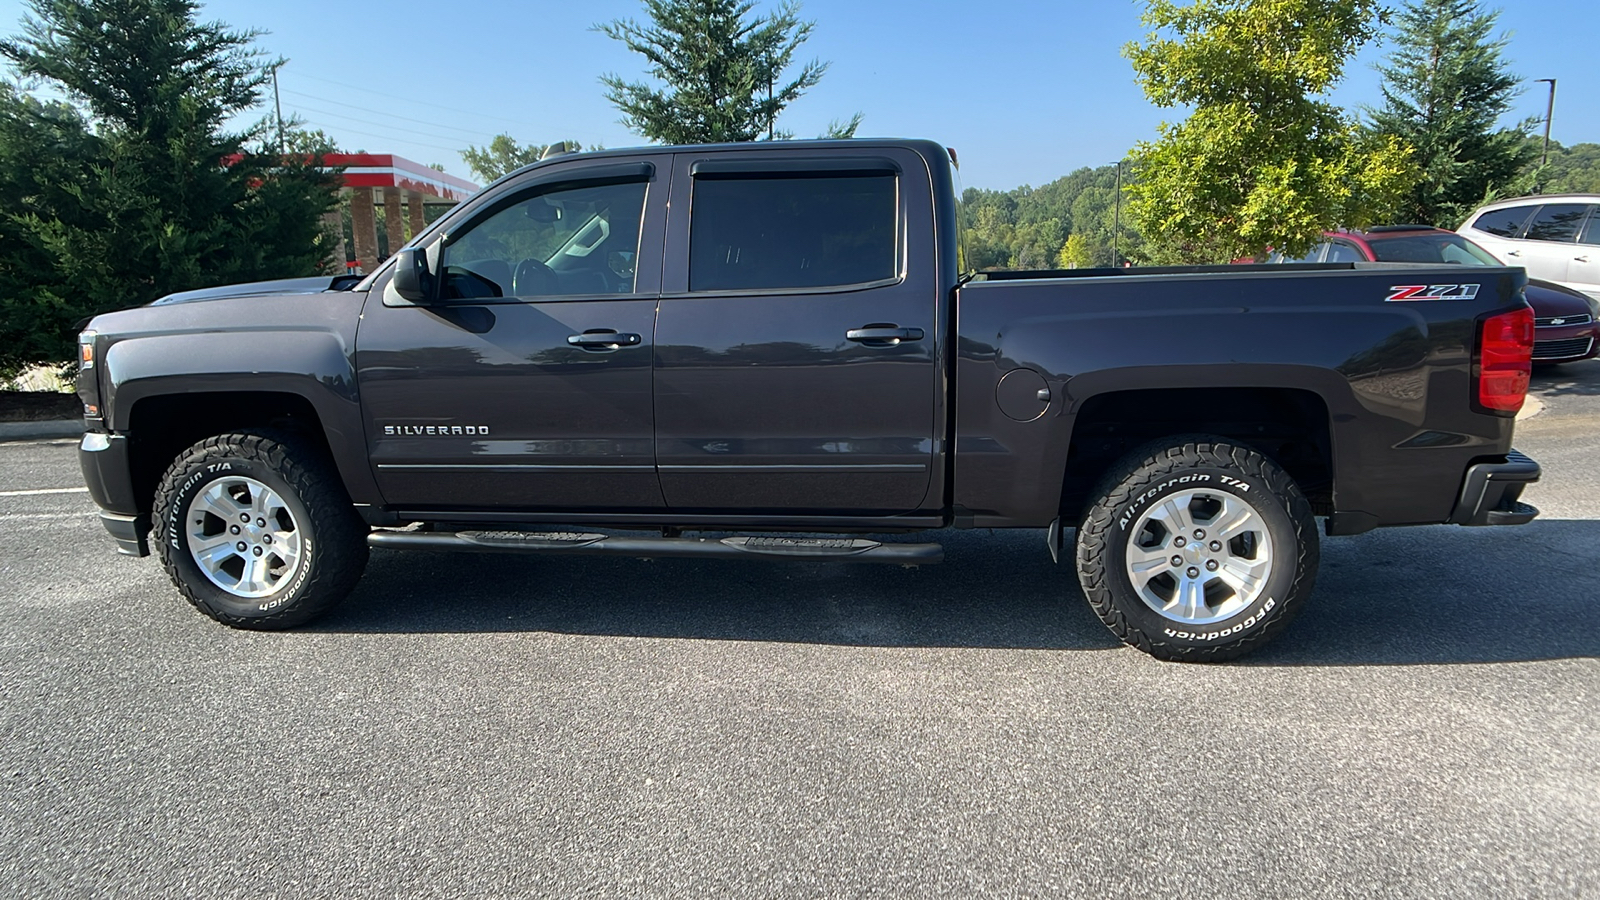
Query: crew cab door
{"type": "Point", "coordinates": [525, 384]}
{"type": "Point", "coordinates": [797, 338]}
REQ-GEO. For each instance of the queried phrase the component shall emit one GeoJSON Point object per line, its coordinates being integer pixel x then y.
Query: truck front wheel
{"type": "Point", "coordinates": [1197, 549]}
{"type": "Point", "coordinates": [256, 531]}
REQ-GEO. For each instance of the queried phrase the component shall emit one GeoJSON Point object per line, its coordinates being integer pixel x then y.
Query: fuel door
{"type": "Point", "coordinates": [1023, 395]}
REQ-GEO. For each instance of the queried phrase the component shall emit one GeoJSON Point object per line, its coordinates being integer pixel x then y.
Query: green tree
{"type": "Point", "coordinates": [719, 72]}
{"type": "Point", "coordinates": [1572, 170]}
{"type": "Point", "coordinates": [1260, 162]}
{"type": "Point", "coordinates": [1079, 252]}
{"type": "Point", "coordinates": [503, 156]}
{"type": "Point", "coordinates": [131, 186]}
{"type": "Point", "coordinates": [1445, 87]}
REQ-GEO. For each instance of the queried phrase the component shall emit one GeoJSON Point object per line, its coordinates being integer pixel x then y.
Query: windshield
{"type": "Point", "coordinates": [1438, 247]}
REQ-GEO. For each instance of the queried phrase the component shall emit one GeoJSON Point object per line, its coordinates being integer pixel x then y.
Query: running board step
{"type": "Point", "coordinates": [590, 544]}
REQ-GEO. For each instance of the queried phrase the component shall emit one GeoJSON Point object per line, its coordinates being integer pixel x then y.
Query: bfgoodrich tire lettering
{"type": "Point", "coordinates": [1197, 549]}
{"type": "Point", "coordinates": [296, 549]}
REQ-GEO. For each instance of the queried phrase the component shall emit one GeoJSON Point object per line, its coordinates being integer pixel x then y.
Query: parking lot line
{"type": "Point", "coordinates": [74, 490]}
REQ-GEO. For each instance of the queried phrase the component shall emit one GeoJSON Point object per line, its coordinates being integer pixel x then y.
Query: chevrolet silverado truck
{"type": "Point", "coordinates": [772, 351]}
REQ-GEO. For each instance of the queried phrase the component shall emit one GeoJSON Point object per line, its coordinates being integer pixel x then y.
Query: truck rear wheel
{"type": "Point", "coordinates": [256, 530]}
{"type": "Point", "coordinates": [1197, 549]}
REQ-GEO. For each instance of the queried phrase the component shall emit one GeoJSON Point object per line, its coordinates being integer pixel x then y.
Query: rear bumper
{"type": "Point", "coordinates": [109, 477]}
{"type": "Point", "coordinates": [1491, 491]}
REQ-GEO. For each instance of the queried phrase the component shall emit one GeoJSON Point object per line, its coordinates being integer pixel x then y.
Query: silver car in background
{"type": "Point", "coordinates": [1556, 237]}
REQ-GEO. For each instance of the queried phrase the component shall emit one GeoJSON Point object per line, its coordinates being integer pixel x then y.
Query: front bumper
{"type": "Point", "coordinates": [1491, 491]}
{"type": "Point", "coordinates": [1565, 343]}
{"type": "Point", "coordinates": [109, 477]}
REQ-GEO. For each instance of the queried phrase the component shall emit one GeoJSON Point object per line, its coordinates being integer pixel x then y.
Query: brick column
{"type": "Point", "coordinates": [414, 209]}
{"type": "Point", "coordinates": [364, 223]}
{"type": "Point", "coordinates": [393, 219]}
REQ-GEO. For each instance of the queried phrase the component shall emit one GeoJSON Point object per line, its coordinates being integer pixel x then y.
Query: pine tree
{"type": "Point", "coordinates": [1445, 87]}
{"type": "Point", "coordinates": [723, 71]}
{"type": "Point", "coordinates": [146, 191]}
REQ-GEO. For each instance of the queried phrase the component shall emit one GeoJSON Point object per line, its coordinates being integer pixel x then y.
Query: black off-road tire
{"type": "Point", "coordinates": [1143, 479]}
{"type": "Point", "coordinates": [333, 537]}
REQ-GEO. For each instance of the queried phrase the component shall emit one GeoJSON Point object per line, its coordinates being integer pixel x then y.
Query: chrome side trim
{"type": "Point", "coordinates": [783, 468]}
{"type": "Point", "coordinates": [514, 467]}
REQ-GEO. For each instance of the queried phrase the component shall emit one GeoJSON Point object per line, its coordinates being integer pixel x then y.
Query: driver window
{"type": "Point", "coordinates": [581, 240]}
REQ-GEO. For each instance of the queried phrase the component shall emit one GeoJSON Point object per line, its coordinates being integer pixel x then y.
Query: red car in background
{"type": "Point", "coordinates": [1567, 322]}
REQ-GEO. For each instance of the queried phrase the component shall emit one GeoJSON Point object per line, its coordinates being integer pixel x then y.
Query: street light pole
{"type": "Point", "coordinates": [278, 105]}
{"type": "Point", "coordinates": [1549, 111]}
{"type": "Point", "coordinates": [1116, 227]}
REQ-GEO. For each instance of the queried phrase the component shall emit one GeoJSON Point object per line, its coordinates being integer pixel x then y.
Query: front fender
{"type": "Point", "coordinates": [296, 345]}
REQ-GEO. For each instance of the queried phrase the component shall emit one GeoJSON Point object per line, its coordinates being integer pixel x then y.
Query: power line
{"type": "Point", "coordinates": [473, 132]}
{"type": "Point", "coordinates": [390, 95]}
{"type": "Point", "coordinates": [346, 116]}
{"type": "Point", "coordinates": [390, 137]}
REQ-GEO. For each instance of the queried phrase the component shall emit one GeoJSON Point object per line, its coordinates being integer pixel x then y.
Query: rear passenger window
{"type": "Point", "coordinates": [1591, 233]}
{"type": "Point", "coordinates": [1558, 222]}
{"type": "Point", "coordinates": [1310, 256]}
{"type": "Point", "coordinates": [1339, 251]}
{"type": "Point", "coordinates": [1504, 222]}
{"type": "Point", "coordinates": [789, 231]}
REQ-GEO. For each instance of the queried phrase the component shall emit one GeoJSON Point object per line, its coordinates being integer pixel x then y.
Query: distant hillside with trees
{"type": "Point", "coordinates": [1068, 223]}
{"type": "Point", "coordinates": [1572, 170]}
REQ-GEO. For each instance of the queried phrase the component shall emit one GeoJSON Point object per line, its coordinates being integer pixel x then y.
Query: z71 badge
{"type": "Point", "coordinates": [1433, 292]}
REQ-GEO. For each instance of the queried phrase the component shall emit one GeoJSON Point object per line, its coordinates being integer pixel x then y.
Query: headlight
{"type": "Point", "coordinates": [88, 382]}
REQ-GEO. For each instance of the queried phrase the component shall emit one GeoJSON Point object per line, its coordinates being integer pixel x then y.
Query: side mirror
{"type": "Point", "coordinates": [411, 277]}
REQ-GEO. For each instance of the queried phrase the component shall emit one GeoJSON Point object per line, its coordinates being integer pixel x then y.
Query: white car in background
{"type": "Point", "coordinates": [1555, 237]}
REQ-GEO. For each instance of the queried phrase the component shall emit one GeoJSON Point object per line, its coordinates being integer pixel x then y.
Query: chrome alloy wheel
{"type": "Point", "coordinates": [1199, 556]}
{"type": "Point", "coordinates": [243, 537]}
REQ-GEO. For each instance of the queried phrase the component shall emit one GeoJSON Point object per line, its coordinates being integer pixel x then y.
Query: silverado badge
{"type": "Point", "coordinates": [434, 430]}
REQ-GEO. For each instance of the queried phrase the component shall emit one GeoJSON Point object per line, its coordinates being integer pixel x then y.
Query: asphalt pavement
{"type": "Point", "coordinates": [478, 726]}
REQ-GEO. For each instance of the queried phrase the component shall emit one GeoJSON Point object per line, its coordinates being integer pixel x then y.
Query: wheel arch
{"type": "Point", "coordinates": [161, 425]}
{"type": "Point", "coordinates": [1291, 425]}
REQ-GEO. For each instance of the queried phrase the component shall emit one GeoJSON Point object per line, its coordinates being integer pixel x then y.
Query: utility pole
{"type": "Point", "coordinates": [278, 105]}
{"type": "Point", "coordinates": [1116, 228]}
{"type": "Point", "coordinates": [1549, 111]}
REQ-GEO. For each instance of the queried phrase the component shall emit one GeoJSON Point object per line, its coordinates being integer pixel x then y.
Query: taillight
{"type": "Point", "coordinates": [1505, 360]}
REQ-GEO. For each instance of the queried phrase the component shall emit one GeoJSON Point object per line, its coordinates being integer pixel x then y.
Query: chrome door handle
{"type": "Point", "coordinates": [883, 335]}
{"type": "Point", "coordinates": [603, 340]}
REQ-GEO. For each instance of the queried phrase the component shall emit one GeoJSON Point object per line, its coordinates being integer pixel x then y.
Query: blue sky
{"type": "Point", "coordinates": [1025, 91]}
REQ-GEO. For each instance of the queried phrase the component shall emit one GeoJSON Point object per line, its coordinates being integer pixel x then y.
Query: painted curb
{"type": "Point", "coordinates": [46, 428]}
{"type": "Point", "coordinates": [1531, 407]}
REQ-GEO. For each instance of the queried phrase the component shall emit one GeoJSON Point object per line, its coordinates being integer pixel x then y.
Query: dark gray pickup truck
{"type": "Point", "coordinates": [771, 352]}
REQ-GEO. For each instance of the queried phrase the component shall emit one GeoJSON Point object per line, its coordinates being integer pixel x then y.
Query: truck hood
{"type": "Point", "coordinates": [313, 285]}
